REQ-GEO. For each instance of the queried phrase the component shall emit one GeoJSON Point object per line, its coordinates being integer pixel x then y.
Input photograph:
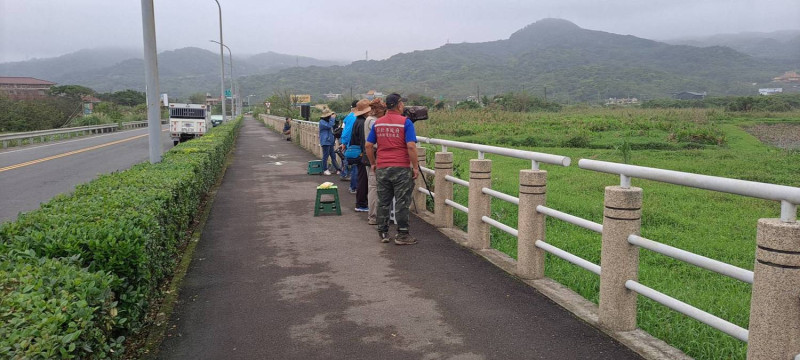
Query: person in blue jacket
{"type": "Point", "coordinates": [350, 172]}
{"type": "Point", "coordinates": [326, 141]}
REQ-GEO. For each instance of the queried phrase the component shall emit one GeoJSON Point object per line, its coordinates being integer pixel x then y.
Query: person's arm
{"type": "Point", "coordinates": [411, 145]}
{"type": "Point", "coordinates": [372, 139]}
{"type": "Point", "coordinates": [325, 124]}
{"type": "Point", "coordinates": [370, 149]}
{"type": "Point", "coordinates": [412, 154]}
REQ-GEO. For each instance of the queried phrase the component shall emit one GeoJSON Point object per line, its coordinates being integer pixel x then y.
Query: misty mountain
{"type": "Point", "coordinates": [573, 63]}
{"type": "Point", "coordinates": [181, 72]}
{"type": "Point", "coordinates": [54, 69]}
{"type": "Point", "coordinates": [782, 45]}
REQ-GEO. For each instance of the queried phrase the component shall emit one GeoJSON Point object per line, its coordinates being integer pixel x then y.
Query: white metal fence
{"type": "Point", "coordinates": [775, 302]}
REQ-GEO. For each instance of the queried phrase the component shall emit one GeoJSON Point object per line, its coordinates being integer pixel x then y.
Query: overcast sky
{"type": "Point", "coordinates": [346, 30]}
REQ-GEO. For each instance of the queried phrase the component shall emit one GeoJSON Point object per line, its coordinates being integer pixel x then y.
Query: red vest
{"type": "Point", "coordinates": [391, 140]}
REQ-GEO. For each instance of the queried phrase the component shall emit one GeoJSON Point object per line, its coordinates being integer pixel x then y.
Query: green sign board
{"type": "Point", "coordinates": [227, 93]}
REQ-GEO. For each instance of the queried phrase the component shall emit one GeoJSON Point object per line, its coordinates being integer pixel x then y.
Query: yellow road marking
{"type": "Point", "coordinates": [16, 166]}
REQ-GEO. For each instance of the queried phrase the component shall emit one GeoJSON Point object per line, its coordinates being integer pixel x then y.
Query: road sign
{"type": "Point", "coordinates": [227, 93]}
{"type": "Point", "coordinates": [301, 98]}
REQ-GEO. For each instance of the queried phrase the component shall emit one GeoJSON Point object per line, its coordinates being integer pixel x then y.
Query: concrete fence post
{"type": "Point", "coordinates": [775, 302]}
{"type": "Point", "coordinates": [444, 190]}
{"type": "Point", "coordinates": [305, 136]}
{"type": "Point", "coordinates": [530, 224]}
{"type": "Point", "coordinates": [480, 176]}
{"type": "Point", "coordinates": [420, 198]}
{"type": "Point", "coordinates": [619, 260]}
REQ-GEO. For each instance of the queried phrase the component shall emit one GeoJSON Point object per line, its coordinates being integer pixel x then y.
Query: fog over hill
{"type": "Point", "coordinates": [181, 72]}
{"type": "Point", "coordinates": [782, 45]}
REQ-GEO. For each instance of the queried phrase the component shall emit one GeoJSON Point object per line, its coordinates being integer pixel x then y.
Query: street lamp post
{"type": "Point", "coordinates": [249, 104]}
{"type": "Point", "coordinates": [221, 63]}
{"type": "Point", "coordinates": [233, 97]}
{"type": "Point", "coordinates": [151, 82]}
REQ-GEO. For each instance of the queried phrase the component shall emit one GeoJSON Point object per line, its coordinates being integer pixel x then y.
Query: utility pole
{"type": "Point", "coordinates": [221, 63]}
{"type": "Point", "coordinates": [479, 93]}
{"type": "Point", "coordinates": [545, 94]}
{"type": "Point", "coordinates": [151, 81]}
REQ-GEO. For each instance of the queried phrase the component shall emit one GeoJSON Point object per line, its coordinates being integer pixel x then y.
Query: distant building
{"type": "Point", "coordinates": [622, 101]}
{"type": "Point", "coordinates": [372, 94]}
{"type": "Point", "coordinates": [689, 95]}
{"type": "Point", "coordinates": [211, 101]}
{"type": "Point", "coordinates": [788, 77]}
{"type": "Point", "coordinates": [88, 103]}
{"type": "Point", "coordinates": [770, 91]}
{"type": "Point", "coordinates": [24, 88]}
{"type": "Point", "coordinates": [332, 96]}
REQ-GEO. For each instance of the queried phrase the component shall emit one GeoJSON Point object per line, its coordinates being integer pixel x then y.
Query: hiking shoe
{"type": "Point", "coordinates": [404, 239]}
{"type": "Point", "coordinates": [346, 178]}
{"type": "Point", "coordinates": [353, 191]}
{"type": "Point", "coordinates": [372, 222]}
{"type": "Point", "coordinates": [362, 209]}
{"type": "Point", "coordinates": [384, 237]}
{"type": "Point", "coordinates": [327, 172]}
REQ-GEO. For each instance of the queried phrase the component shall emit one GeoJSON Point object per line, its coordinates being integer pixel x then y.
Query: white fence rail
{"type": "Point", "coordinates": [775, 311]}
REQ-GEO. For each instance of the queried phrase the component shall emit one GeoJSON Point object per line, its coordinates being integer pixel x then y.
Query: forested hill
{"type": "Point", "coordinates": [181, 72]}
{"type": "Point", "coordinates": [574, 64]}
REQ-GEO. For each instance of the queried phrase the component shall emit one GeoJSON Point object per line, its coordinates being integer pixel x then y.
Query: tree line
{"type": "Point", "coordinates": [64, 107]}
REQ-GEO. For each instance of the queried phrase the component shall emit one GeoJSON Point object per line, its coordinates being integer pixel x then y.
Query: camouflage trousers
{"type": "Point", "coordinates": [394, 182]}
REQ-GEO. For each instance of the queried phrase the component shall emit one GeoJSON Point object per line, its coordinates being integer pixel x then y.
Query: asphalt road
{"type": "Point", "coordinates": [31, 175]}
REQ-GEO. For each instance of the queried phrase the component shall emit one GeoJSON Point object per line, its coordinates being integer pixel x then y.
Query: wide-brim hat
{"type": "Point", "coordinates": [362, 107]}
{"type": "Point", "coordinates": [327, 113]}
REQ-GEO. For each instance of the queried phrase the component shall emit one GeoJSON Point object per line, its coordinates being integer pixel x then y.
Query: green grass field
{"type": "Point", "coordinates": [716, 225]}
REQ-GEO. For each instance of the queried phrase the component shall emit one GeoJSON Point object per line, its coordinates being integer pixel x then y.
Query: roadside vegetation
{"type": "Point", "coordinates": [710, 141]}
{"type": "Point", "coordinates": [64, 108]}
{"type": "Point", "coordinates": [78, 275]}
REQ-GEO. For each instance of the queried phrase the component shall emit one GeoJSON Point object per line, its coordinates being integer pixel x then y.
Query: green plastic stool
{"type": "Point", "coordinates": [315, 167]}
{"type": "Point", "coordinates": [327, 206]}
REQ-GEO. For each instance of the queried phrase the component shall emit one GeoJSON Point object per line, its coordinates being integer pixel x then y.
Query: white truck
{"type": "Point", "coordinates": [187, 121]}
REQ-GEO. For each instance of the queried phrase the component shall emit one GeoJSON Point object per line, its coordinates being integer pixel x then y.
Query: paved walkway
{"type": "Point", "coordinates": [270, 281]}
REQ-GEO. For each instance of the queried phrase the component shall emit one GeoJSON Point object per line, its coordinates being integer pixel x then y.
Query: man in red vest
{"type": "Point", "coordinates": [396, 167]}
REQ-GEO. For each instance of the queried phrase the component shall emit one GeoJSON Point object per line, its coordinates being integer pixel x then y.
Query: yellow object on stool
{"type": "Point", "coordinates": [328, 205]}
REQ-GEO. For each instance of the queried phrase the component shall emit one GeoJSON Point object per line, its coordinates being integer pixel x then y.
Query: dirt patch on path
{"type": "Point", "coordinates": [784, 136]}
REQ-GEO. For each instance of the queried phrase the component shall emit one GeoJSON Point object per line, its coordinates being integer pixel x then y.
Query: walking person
{"type": "Point", "coordinates": [396, 142]}
{"type": "Point", "coordinates": [326, 141]}
{"type": "Point", "coordinates": [287, 129]}
{"type": "Point", "coordinates": [358, 139]}
{"type": "Point", "coordinates": [378, 110]}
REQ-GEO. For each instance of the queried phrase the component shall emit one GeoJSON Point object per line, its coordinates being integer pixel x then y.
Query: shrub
{"type": "Point", "coordinates": [51, 308]}
{"type": "Point", "coordinates": [127, 224]}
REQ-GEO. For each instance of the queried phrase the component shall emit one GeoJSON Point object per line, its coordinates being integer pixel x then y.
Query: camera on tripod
{"type": "Point", "coordinates": [415, 113]}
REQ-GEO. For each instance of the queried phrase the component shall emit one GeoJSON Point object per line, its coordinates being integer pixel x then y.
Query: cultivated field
{"type": "Point", "coordinates": [716, 225]}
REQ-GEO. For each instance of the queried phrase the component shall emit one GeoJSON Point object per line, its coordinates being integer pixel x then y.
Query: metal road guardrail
{"type": "Point", "coordinates": [45, 135]}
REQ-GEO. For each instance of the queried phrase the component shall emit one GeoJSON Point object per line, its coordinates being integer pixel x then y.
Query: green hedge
{"type": "Point", "coordinates": [124, 228]}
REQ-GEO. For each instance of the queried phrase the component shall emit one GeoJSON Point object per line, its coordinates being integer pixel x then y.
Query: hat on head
{"type": "Point", "coordinates": [327, 113]}
{"type": "Point", "coordinates": [362, 107]}
{"type": "Point", "coordinates": [393, 99]}
{"type": "Point", "coordinates": [353, 104]}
